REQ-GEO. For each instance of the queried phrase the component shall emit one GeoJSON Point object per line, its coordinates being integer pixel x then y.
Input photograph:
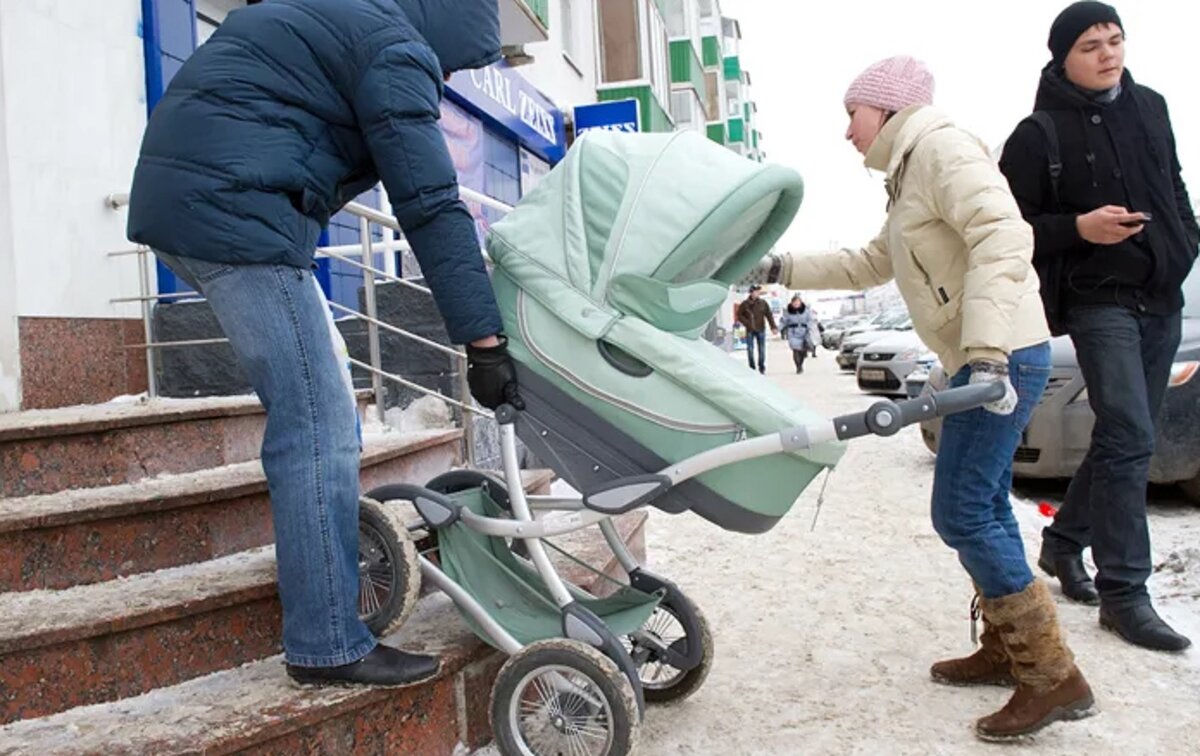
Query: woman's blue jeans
{"type": "Point", "coordinates": [971, 482]}
{"type": "Point", "coordinates": [275, 319]}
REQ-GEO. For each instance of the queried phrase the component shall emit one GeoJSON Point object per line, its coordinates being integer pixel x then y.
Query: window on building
{"type": "Point", "coordinates": [660, 74]}
{"type": "Point", "coordinates": [681, 107]}
{"type": "Point", "coordinates": [712, 108]}
{"type": "Point", "coordinates": [677, 18]}
{"type": "Point", "coordinates": [566, 20]}
{"type": "Point", "coordinates": [620, 42]}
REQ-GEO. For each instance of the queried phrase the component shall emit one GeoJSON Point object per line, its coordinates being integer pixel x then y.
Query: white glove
{"type": "Point", "coordinates": [770, 270]}
{"type": "Point", "coordinates": [989, 371]}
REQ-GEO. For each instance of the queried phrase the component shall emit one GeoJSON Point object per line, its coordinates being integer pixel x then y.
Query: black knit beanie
{"type": "Point", "coordinates": [1074, 21]}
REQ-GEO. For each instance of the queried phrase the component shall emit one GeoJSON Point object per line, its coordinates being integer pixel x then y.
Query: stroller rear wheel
{"type": "Point", "coordinates": [561, 696]}
{"type": "Point", "coordinates": [663, 683]}
{"type": "Point", "coordinates": [389, 577]}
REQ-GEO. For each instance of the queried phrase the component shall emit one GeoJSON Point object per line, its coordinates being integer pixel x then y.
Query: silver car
{"type": "Point", "coordinates": [886, 363]}
{"type": "Point", "coordinates": [853, 346]}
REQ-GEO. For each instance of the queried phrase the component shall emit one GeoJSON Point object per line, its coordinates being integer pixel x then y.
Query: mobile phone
{"type": "Point", "coordinates": [1146, 218]}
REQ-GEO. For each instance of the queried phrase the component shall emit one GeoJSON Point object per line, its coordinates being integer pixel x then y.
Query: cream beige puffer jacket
{"type": "Point", "coordinates": [954, 241]}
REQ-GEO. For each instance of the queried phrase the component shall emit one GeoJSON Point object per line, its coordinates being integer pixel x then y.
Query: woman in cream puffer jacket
{"type": "Point", "coordinates": [960, 253]}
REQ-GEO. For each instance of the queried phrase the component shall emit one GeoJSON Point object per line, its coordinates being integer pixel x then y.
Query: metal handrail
{"type": "Point", "coordinates": [344, 253]}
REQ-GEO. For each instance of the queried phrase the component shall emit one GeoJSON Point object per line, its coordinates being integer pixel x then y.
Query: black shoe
{"type": "Point", "coordinates": [384, 666]}
{"type": "Point", "coordinates": [1141, 626]}
{"type": "Point", "coordinates": [1069, 569]}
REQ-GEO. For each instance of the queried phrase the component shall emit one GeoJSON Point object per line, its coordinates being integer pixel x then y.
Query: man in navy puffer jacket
{"type": "Point", "coordinates": [290, 110]}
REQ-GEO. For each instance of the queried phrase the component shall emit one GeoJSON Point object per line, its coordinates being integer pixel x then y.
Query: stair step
{"type": "Point", "coordinates": [94, 643]}
{"type": "Point", "coordinates": [102, 642]}
{"type": "Point", "coordinates": [44, 451]}
{"type": "Point", "coordinates": [89, 535]}
{"type": "Point", "coordinates": [254, 709]}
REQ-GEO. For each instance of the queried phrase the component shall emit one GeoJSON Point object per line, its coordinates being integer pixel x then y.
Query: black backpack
{"type": "Point", "coordinates": [1050, 267]}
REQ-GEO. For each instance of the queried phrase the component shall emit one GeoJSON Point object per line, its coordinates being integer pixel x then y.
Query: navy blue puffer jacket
{"type": "Point", "coordinates": [293, 108]}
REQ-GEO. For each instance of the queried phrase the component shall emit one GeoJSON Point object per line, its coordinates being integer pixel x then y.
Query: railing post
{"type": "Point", "coordinates": [468, 418]}
{"type": "Point", "coordinates": [147, 320]}
{"type": "Point", "coordinates": [364, 230]}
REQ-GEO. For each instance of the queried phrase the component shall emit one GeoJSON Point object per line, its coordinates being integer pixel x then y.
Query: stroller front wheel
{"type": "Point", "coordinates": [561, 696]}
{"type": "Point", "coordinates": [389, 576]}
{"type": "Point", "coordinates": [663, 683]}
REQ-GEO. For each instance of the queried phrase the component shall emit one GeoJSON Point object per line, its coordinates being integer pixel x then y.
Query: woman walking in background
{"type": "Point", "coordinates": [795, 325]}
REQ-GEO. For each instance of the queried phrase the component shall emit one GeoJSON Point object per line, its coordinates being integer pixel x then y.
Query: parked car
{"type": "Point", "coordinates": [853, 345]}
{"type": "Point", "coordinates": [880, 321]}
{"type": "Point", "coordinates": [1060, 430]}
{"type": "Point", "coordinates": [831, 336]}
{"type": "Point", "coordinates": [886, 362]}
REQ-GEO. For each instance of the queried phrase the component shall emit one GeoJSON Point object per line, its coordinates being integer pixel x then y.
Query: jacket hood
{"type": "Point", "coordinates": [1056, 93]}
{"type": "Point", "coordinates": [462, 33]}
{"type": "Point", "coordinates": [901, 133]}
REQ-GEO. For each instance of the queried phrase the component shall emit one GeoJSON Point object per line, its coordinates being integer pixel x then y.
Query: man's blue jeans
{"type": "Point", "coordinates": [759, 337]}
{"type": "Point", "coordinates": [1126, 361]}
{"type": "Point", "coordinates": [276, 323]}
{"type": "Point", "coordinates": [971, 482]}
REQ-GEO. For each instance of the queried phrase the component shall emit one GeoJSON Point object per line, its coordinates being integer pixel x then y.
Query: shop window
{"type": "Point", "coordinates": [620, 57]}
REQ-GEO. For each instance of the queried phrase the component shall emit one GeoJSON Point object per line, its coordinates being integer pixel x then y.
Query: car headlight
{"type": "Point", "coordinates": [909, 354]}
{"type": "Point", "coordinates": [1182, 372]}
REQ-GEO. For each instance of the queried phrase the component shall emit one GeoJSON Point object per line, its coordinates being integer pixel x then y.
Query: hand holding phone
{"type": "Point", "coordinates": [1146, 218]}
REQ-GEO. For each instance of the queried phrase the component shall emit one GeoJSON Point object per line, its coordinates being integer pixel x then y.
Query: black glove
{"type": "Point", "coordinates": [492, 376]}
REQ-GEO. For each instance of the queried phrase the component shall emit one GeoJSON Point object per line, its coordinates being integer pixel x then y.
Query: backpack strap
{"type": "Point", "coordinates": [1053, 157]}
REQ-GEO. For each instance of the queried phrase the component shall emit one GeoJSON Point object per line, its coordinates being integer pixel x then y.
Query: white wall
{"type": "Point", "coordinates": [566, 84]}
{"type": "Point", "coordinates": [74, 95]}
{"type": "Point", "coordinates": [10, 369]}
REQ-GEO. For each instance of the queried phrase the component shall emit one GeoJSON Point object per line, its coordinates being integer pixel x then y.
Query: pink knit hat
{"type": "Point", "coordinates": [892, 84]}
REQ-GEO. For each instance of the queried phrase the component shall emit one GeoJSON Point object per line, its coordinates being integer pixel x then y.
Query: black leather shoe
{"type": "Point", "coordinates": [384, 666]}
{"type": "Point", "coordinates": [1071, 574]}
{"type": "Point", "coordinates": [1141, 626]}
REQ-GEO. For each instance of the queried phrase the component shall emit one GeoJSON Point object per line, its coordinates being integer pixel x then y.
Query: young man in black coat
{"type": "Point", "coordinates": [1115, 237]}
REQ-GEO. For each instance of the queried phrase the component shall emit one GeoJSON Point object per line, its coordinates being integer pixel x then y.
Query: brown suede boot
{"type": "Point", "coordinates": [989, 665]}
{"type": "Point", "coordinates": [1050, 687]}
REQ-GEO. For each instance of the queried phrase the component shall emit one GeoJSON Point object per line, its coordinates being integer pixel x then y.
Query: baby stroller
{"type": "Point", "coordinates": [606, 275]}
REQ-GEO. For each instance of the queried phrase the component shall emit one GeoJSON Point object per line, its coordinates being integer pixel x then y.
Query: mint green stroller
{"type": "Point", "coordinates": [606, 275]}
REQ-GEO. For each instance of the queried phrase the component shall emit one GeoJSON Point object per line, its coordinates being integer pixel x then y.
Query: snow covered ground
{"type": "Point", "coordinates": [824, 637]}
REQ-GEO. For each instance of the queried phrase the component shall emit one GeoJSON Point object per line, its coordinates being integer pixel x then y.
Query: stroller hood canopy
{"type": "Point", "coordinates": [651, 225]}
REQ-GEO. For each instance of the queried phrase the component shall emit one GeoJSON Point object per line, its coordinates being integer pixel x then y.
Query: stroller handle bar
{"type": "Point", "coordinates": [884, 418]}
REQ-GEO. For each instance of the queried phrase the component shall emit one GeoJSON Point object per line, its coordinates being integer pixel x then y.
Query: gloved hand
{"type": "Point", "coordinates": [492, 376]}
{"type": "Point", "coordinates": [990, 371]}
{"type": "Point", "coordinates": [769, 270]}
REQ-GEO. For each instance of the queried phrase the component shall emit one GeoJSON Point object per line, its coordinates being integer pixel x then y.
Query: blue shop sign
{"type": "Point", "coordinates": [618, 115]}
{"type": "Point", "coordinates": [499, 94]}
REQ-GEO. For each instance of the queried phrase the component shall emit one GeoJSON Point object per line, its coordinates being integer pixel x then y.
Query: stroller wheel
{"type": "Point", "coordinates": [561, 696]}
{"type": "Point", "coordinates": [661, 682]}
{"type": "Point", "coordinates": [389, 578]}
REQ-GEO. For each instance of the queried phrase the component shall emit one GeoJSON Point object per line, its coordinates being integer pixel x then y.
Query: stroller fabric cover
{"type": "Point", "coordinates": [607, 274]}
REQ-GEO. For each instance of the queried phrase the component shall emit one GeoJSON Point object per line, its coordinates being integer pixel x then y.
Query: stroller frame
{"type": "Point", "coordinates": [585, 632]}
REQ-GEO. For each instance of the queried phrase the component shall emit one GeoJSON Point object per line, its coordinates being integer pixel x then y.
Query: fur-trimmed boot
{"type": "Point", "coordinates": [989, 665]}
{"type": "Point", "coordinates": [1050, 687]}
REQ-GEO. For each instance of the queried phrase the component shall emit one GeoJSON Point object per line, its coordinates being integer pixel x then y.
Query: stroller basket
{"type": "Point", "coordinates": [515, 595]}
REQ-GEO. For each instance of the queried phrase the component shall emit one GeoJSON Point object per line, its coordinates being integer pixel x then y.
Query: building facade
{"type": "Point", "coordinates": [78, 79]}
